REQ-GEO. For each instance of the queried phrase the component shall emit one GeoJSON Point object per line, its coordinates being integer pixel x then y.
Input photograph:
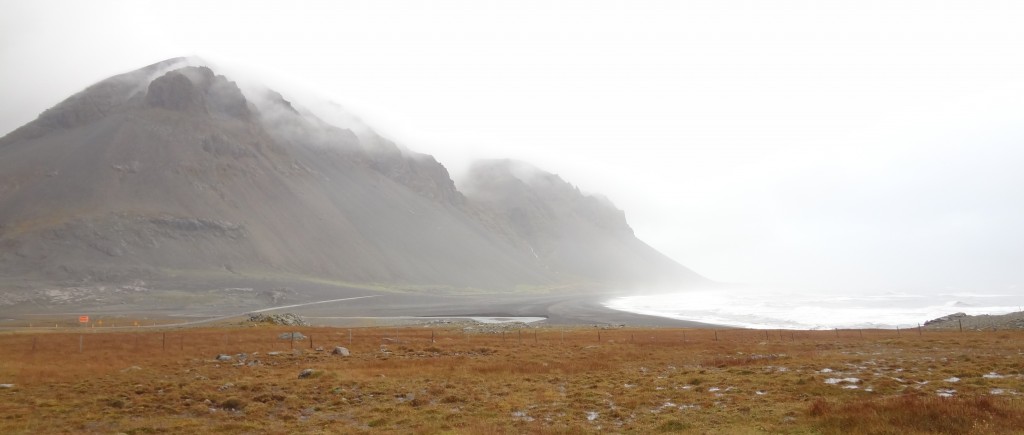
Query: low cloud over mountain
{"type": "Point", "coordinates": [175, 171]}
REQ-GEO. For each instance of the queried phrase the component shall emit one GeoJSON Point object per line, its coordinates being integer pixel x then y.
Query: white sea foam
{"type": "Point", "coordinates": [774, 309]}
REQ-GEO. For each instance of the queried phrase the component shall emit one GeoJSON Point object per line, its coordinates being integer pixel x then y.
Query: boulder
{"type": "Point", "coordinates": [286, 319]}
{"type": "Point", "coordinates": [340, 351]}
{"type": "Point", "coordinates": [292, 336]}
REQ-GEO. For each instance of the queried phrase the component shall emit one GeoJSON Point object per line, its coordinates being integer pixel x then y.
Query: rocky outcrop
{"type": "Point", "coordinates": [198, 89]}
{"type": "Point", "coordinates": [286, 319]}
{"type": "Point", "coordinates": [957, 321]}
{"type": "Point", "coordinates": [174, 91]}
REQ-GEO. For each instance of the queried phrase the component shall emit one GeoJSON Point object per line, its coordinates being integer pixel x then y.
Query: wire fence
{"type": "Point", "coordinates": [377, 339]}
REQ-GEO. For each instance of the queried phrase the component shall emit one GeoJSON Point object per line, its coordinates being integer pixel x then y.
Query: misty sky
{"type": "Point", "coordinates": [823, 145]}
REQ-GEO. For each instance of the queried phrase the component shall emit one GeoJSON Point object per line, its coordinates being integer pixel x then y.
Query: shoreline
{"type": "Point", "coordinates": [557, 310]}
{"type": "Point", "coordinates": [378, 309]}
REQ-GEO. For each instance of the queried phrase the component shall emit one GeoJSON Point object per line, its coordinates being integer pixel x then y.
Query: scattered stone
{"type": "Point", "coordinates": [223, 357]}
{"type": "Point", "coordinates": [306, 373]}
{"type": "Point", "coordinates": [340, 351]}
{"type": "Point", "coordinates": [292, 336]}
{"type": "Point", "coordinates": [286, 319]}
{"type": "Point", "coordinates": [6, 385]}
{"type": "Point", "coordinates": [131, 369]}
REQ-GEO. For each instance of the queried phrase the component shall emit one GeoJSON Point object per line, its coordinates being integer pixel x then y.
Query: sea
{"type": "Point", "coordinates": [765, 308]}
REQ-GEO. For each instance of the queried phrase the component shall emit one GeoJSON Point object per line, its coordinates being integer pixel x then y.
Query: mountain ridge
{"type": "Point", "coordinates": [174, 170]}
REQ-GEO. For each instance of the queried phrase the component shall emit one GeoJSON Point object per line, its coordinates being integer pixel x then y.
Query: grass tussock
{"type": "Point", "coordinates": [919, 414]}
{"type": "Point", "coordinates": [419, 380]}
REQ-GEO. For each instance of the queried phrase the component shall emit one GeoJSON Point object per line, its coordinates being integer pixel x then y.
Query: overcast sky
{"type": "Point", "coordinates": [822, 145]}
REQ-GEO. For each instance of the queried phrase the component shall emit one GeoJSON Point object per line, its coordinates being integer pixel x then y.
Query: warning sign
{"type": "Point", "coordinates": [83, 319]}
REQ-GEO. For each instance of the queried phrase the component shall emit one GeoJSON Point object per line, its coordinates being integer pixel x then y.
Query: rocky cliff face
{"type": "Point", "coordinates": [173, 170]}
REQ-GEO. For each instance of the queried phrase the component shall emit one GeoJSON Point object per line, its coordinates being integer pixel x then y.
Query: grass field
{"type": "Point", "coordinates": [537, 380]}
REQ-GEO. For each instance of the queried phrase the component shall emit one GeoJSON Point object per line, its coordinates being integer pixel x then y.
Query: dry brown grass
{"type": "Point", "coordinates": [540, 381]}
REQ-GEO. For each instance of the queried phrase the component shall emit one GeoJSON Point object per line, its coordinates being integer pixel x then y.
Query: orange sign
{"type": "Point", "coordinates": [83, 319]}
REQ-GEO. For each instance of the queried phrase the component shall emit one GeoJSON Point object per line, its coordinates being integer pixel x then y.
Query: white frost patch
{"type": "Point", "coordinates": [953, 380]}
{"type": "Point", "coordinates": [714, 389]}
{"type": "Point", "coordinates": [521, 415]}
{"type": "Point", "coordinates": [591, 415]}
{"type": "Point", "coordinates": [628, 385]}
{"type": "Point", "coordinates": [993, 375]}
{"type": "Point", "coordinates": [850, 387]}
{"type": "Point", "coordinates": [996, 391]}
{"type": "Point", "coordinates": [833, 381]}
{"type": "Point", "coordinates": [6, 385]}
{"type": "Point", "coordinates": [826, 370]}
{"type": "Point", "coordinates": [760, 392]}
{"type": "Point", "coordinates": [945, 392]}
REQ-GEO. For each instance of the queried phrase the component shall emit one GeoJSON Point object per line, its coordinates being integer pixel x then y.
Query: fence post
{"type": "Point", "coordinates": [716, 335]}
{"type": "Point", "coordinates": [961, 323]}
{"type": "Point", "coordinates": [350, 338]}
{"type": "Point", "coordinates": [431, 336]}
{"type": "Point", "coordinates": [310, 341]}
{"type": "Point", "coordinates": [919, 333]}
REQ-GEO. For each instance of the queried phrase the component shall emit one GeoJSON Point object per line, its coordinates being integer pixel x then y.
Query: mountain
{"type": "Point", "coordinates": [575, 235]}
{"type": "Point", "coordinates": [175, 172]}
